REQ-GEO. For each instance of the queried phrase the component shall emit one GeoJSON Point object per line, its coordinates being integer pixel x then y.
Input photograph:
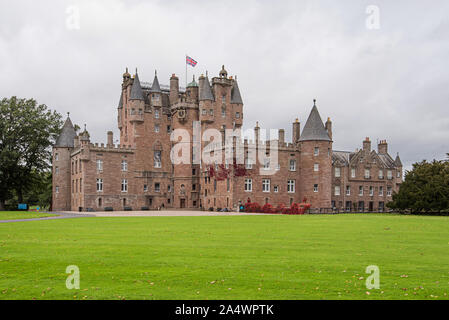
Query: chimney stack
{"type": "Point", "coordinates": [174, 89]}
{"type": "Point", "coordinates": [281, 137]}
{"type": "Point", "coordinates": [382, 147]}
{"type": "Point", "coordinates": [110, 139]}
{"type": "Point", "coordinates": [296, 131]}
{"type": "Point", "coordinates": [367, 145]}
{"type": "Point", "coordinates": [329, 127]}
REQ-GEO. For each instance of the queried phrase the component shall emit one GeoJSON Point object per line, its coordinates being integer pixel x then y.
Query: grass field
{"type": "Point", "coordinates": [240, 257]}
{"type": "Point", "coordinates": [13, 215]}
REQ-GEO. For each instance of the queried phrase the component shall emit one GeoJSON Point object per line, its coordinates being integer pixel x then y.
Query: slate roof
{"type": "Point", "coordinates": [314, 129]}
{"type": "Point", "coordinates": [67, 135]}
{"type": "Point", "coordinates": [155, 87]}
{"type": "Point", "coordinates": [136, 90]}
{"type": "Point", "coordinates": [205, 89]}
{"type": "Point", "coordinates": [386, 160]}
{"type": "Point", "coordinates": [342, 156]}
{"type": "Point", "coordinates": [235, 93]}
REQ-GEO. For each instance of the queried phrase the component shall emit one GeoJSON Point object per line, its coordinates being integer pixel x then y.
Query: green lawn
{"type": "Point", "coordinates": [240, 257]}
{"type": "Point", "coordinates": [13, 215]}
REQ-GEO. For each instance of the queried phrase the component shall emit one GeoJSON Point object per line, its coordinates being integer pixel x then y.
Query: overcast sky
{"type": "Point", "coordinates": [390, 82]}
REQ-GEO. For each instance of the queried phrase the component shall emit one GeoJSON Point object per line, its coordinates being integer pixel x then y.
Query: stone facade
{"type": "Point", "coordinates": [139, 174]}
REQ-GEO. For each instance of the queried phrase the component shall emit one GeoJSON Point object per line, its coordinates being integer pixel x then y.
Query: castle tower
{"type": "Point", "coordinates": [61, 167]}
{"type": "Point", "coordinates": [315, 162]}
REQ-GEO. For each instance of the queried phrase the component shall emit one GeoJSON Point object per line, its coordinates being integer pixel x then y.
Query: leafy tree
{"type": "Point", "coordinates": [425, 188]}
{"type": "Point", "coordinates": [27, 132]}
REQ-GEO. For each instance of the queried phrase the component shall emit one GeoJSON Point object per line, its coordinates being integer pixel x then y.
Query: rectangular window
{"type": "Point", "coordinates": [389, 175]}
{"type": "Point", "coordinates": [367, 174]}
{"type": "Point", "coordinates": [389, 189]}
{"type": "Point", "coordinates": [228, 185]}
{"type": "Point", "coordinates": [291, 186]}
{"type": "Point", "coordinates": [381, 174]}
{"type": "Point", "coordinates": [337, 190]}
{"type": "Point", "coordinates": [157, 187]}
{"type": "Point", "coordinates": [211, 112]}
{"type": "Point", "coordinates": [203, 112]}
{"type": "Point", "coordinates": [337, 172]}
{"type": "Point", "coordinates": [276, 189]}
{"type": "Point", "coordinates": [348, 190]}
{"type": "Point", "coordinates": [169, 188]}
{"type": "Point", "coordinates": [223, 112]}
{"type": "Point", "coordinates": [145, 187]}
{"type": "Point", "coordinates": [56, 170]}
{"type": "Point", "coordinates": [315, 188]}
{"type": "Point", "coordinates": [248, 185]}
{"type": "Point", "coordinates": [316, 167]}
{"type": "Point", "coordinates": [371, 191]}
{"type": "Point", "coordinates": [56, 156]}
{"type": "Point", "coordinates": [248, 164]}
{"type": "Point", "coordinates": [352, 172]}
{"type": "Point", "coordinates": [57, 189]}
{"type": "Point", "coordinates": [124, 165]}
{"type": "Point", "coordinates": [168, 129]}
{"type": "Point", "coordinates": [157, 159]}
{"type": "Point", "coordinates": [124, 185]}
{"type": "Point", "coordinates": [266, 164]}
{"type": "Point", "coordinates": [266, 185]}
{"type": "Point", "coordinates": [99, 165]}
{"type": "Point", "coordinates": [316, 151]}
{"type": "Point", "coordinates": [381, 191]}
{"type": "Point", "coordinates": [292, 165]}
{"type": "Point", "coordinates": [99, 185]}
{"type": "Point", "coordinates": [156, 113]}
{"type": "Point", "coordinates": [156, 128]}
{"type": "Point", "coordinates": [360, 190]}
{"type": "Point", "coordinates": [398, 174]}
{"type": "Point", "coordinates": [237, 115]}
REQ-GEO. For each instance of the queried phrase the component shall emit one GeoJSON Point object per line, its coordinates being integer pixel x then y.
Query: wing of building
{"type": "Point", "coordinates": [159, 122]}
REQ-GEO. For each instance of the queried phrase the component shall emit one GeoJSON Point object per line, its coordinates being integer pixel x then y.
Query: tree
{"type": "Point", "coordinates": [425, 188]}
{"type": "Point", "coordinates": [27, 132]}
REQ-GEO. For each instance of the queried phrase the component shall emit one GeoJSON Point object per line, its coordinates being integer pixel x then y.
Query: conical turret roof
{"type": "Point", "coordinates": [397, 161]}
{"type": "Point", "coordinates": [67, 135]}
{"type": "Point", "coordinates": [136, 90]}
{"type": "Point", "coordinates": [314, 128]}
{"type": "Point", "coordinates": [235, 93]}
{"type": "Point", "coordinates": [205, 89]}
{"type": "Point", "coordinates": [155, 87]}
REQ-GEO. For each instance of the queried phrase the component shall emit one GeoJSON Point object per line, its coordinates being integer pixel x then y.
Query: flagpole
{"type": "Point", "coordinates": [186, 72]}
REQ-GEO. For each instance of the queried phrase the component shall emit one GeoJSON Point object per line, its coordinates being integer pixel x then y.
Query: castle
{"type": "Point", "coordinates": [139, 174]}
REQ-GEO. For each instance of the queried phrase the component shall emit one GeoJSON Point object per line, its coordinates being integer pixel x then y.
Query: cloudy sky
{"type": "Point", "coordinates": [385, 78]}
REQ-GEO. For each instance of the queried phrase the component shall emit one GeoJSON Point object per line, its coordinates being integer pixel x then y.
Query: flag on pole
{"type": "Point", "coordinates": [191, 61]}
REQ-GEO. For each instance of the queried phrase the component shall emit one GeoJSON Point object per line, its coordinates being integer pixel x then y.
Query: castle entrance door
{"type": "Point", "coordinates": [371, 206]}
{"type": "Point", "coordinates": [183, 203]}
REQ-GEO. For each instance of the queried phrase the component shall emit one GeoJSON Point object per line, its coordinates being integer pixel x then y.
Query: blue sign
{"type": "Point", "coordinates": [23, 206]}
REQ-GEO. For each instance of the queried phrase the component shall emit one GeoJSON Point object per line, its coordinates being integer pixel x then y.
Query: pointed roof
{"type": "Point", "coordinates": [235, 93]}
{"type": "Point", "coordinates": [67, 135]}
{"type": "Point", "coordinates": [155, 87]}
{"type": "Point", "coordinates": [205, 89]}
{"type": "Point", "coordinates": [136, 90]}
{"type": "Point", "coordinates": [314, 128]}
{"type": "Point", "coordinates": [120, 103]}
{"type": "Point", "coordinates": [397, 161]}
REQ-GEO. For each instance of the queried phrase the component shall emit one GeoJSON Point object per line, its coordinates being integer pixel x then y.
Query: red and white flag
{"type": "Point", "coordinates": [191, 61]}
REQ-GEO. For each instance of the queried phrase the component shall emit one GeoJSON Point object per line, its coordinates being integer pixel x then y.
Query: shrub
{"type": "Point", "coordinates": [268, 208]}
{"type": "Point", "coordinates": [252, 207]}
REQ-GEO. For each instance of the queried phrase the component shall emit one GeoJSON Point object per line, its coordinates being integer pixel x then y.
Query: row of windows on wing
{"type": "Point", "coordinates": [266, 186]}
{"type": "Point", "coordinates": [372, 189]}
{"type": "Point", "coordinates": [124, 164]}
{"type": "Point", "coordinates": [204, 112]}
{"type": "Point", "coordinates": [124, 186]}
{"type": "Point", "coordinates": [360, 205]}
{"type": "Point", "coordinates": [368, 173]}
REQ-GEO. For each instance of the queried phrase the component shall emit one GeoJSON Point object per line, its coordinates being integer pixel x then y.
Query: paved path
{"type": "Point", "coordinates": [162, 213]}
{"type": "Point", "coordinates": [61, 215]}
